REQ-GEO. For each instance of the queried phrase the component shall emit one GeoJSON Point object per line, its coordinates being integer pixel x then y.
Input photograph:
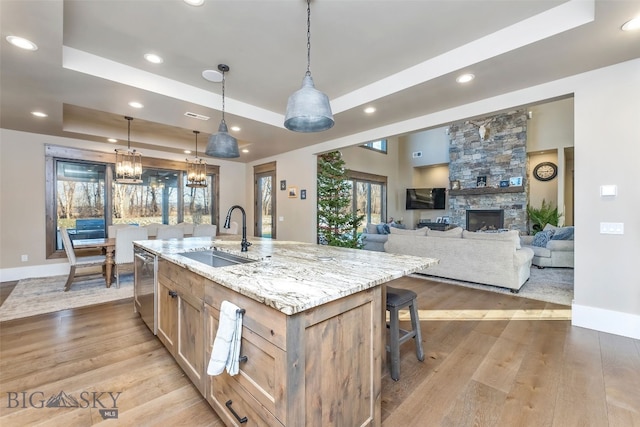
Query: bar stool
{"type": "Point", "coordinates": [396, 300]}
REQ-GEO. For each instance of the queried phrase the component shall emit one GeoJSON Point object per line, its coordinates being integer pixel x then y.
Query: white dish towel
{"type": "Point", "coordinates": [226, 346]}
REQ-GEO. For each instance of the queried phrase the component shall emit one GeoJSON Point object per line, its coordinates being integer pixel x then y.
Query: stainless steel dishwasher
{"type": "Point", "coordinates": [145, 286]}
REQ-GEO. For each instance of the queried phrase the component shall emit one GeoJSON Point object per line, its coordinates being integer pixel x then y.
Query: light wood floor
{"type": "Point", "coordinates": [491, 360]}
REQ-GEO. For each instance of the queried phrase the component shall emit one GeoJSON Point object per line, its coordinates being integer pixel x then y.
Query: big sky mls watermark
{"type": "Point", "coordinates": [105, 401]}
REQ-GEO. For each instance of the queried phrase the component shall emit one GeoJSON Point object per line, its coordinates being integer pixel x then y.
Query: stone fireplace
{"type": "Point", "coordinates": [485, 219]}
{"type": "Point", "coordinates": [500, 156]}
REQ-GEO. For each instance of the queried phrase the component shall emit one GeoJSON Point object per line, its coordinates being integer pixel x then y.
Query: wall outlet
{"type": "Point", "coordinates": [280, 218]}
{"type": "Point", "coordinates": [416, 154]}
{"type": "Point", "coordinates": [24, 258]}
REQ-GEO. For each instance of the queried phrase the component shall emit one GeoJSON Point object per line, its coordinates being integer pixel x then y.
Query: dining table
{"type": "Point", "coordinates": [108, 246]}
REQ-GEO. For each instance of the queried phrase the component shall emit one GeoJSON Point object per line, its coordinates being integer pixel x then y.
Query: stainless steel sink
{"type": "Point", "coordinates": [215, 258]}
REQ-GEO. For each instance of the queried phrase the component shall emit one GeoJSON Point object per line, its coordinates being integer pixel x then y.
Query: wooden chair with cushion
{"type": "Point", "coordinates": [205, 230]}
{"type": "Point", "coordinates": [78, 262]}
{"type": "Point", "coordinates": [124, 247]}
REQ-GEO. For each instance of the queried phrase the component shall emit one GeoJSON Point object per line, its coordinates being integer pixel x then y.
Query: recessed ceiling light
{"type": "Point", "coordinates": [135, 104]}
{"type": "Point", "coordinates": [214, 76]}
{"type": "Point", "coordinates": [244, 150]}
{"type": "Point", "coordinates": [112, 140]}
{"type": "Point", "coordinates": [22, 43]}
{"type": "Point", "coordinates": [187, 151]}
{"type": "Point", "coordinates": [370, 110]}
{"type": "Point", "coordinates": [631, 25]}
{"type": "Point", "coordinates": [39, 114]}
{"type": "Point", "coordinates": [194, 2]}
{"type": "Point", "coordinates": [235, 128]}
{"type": "Point", "coordinates": [152, 57]}
{"type": "Point", "coordinates": [465, 78]}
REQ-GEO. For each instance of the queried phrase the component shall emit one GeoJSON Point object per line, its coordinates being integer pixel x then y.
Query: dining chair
{"type": "Point", "coordinates": [124, 247]}
{"type": "Point", "coordinates": [111, 230]}
{"type": "Point", "coordinates": [78, 262]}
{"type": "Point", "coordinates": [205, 230]}
{"type": "Point", "coordinates": [232, 230]}
{"type": "Point", "coordinates": [187, 228]}
{"type": "Point", "coordinates": [170, 232]}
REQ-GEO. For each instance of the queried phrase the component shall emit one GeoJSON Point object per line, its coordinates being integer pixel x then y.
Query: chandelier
{"type": "Point", "coordinates": [196, 170]}
{"type": "Point", "coordinates": [128, 162]}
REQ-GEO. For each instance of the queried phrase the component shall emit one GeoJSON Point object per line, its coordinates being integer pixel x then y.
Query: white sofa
{"type": "Point", "coordinates": [488, 258]}
{"type": "Point", "coordinates": [556, 252]}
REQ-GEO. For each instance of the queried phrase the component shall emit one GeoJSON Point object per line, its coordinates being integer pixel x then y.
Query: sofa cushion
{"type": "Point", "coordinates": [455, 232]}
{"type": "Point", "coordinates": [541, 252]}
{"type": "Point", "coordinates": [371, 229]}
{"type": "Point", "coordinates": [563, 233]}
{"type": "Point", "coordinates": [511, 235]}
{"type": "Point", "coordinates": [542, 238]}
{"type": "Point", "coordinates": [418, 232]}
{"type": "Point", "coordinates": [560, 245]}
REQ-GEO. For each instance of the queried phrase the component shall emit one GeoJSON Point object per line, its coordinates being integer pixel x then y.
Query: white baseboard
{"type": "Point", "coordinates": [600, 319]}
{"type": "Point", "coordinates": [10, 274]}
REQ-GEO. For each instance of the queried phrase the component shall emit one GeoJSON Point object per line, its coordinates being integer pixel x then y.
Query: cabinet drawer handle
{"type": "Point", "coordinates": [173, 294]}
{"type": "Point", "coordinates": [243, 359]}
{"type": "Point", "coordinates": [240, 420]}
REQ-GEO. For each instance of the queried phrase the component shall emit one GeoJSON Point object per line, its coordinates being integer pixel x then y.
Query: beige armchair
{"type": "Point", "coordinates": [78, 262]}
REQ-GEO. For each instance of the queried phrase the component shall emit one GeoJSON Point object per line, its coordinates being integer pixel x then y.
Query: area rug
{"type": "Point", "coordinates": [547, 284]}
{"type": "Point", "coordinates": [46, 295]}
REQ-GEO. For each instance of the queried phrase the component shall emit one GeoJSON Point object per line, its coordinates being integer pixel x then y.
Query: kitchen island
{"type": "Point", "coordinates": [313, 328]}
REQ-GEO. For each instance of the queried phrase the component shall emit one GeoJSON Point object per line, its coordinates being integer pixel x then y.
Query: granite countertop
{"type": "Point", "coordinates": [290, 276]}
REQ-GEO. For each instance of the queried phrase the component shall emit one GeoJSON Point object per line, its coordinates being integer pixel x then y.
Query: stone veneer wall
{"type": "Point", "coordinates": [502, 155]}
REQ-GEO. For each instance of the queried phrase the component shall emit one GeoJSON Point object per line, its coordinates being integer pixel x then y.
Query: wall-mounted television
{"type": "Point", "coordinates": [426, 198]}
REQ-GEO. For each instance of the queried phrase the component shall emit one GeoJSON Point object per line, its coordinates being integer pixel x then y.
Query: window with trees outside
{"type": "Point", "coordinates": [369, 197]}
{"type": "Point", "coordinates": [83, 196]}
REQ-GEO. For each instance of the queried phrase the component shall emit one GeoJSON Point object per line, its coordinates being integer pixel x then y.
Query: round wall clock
{"type": "Point", "coordinates": [545, 171]}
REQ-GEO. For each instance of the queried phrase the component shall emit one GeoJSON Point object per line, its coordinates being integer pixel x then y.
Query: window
{"type": "Point", "coordinates": [369, 197]}
{"type": "Point", "coordinates": [82, 195]}
{"type": "Point", "coordinates": [379, 145]}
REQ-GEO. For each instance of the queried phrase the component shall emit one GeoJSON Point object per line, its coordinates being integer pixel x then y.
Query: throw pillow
{"type": "Point", "coordinates": [455, 232]}
{"type": "Point", "coordinates": [382, 228]}
{"type": "Point", "coordinates": [542, 238]}
{"type": "Point", "coordinates": [563, 233]}
{"type": "Point", "coordinates": [418, 232]}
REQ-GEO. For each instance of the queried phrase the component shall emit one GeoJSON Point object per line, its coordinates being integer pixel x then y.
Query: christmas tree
{"type": "Point", "coordinates": [337, 224]}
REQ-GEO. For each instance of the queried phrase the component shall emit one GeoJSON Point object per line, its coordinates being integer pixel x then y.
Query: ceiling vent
{"type": "Point", "coordinates": [196, 116]}
{"type": "Point", "coordinates": [416, 154]}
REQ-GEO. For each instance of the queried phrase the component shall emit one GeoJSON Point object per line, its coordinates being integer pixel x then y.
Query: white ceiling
{"type": "Point", "coordinates": [400, 56]}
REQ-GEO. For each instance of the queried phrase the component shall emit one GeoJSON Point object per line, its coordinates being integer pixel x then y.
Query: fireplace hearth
{"type": "Point", "coordinates": [485, 219]}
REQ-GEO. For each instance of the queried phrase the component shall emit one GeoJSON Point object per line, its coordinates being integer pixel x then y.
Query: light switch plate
{"type": "Point", "coordinates": [608, 190]}
{"type": "Point", "coordinates": [611, 228]}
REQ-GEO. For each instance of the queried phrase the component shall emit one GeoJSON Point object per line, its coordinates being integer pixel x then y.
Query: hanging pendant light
{"type": "Point", "coordinates": [308, 109]}
{"type": "Point", "coordinates": [196, 170]}
{"type": "Point", "coordinates": [222, 144]}
{"type": "Point", "coordinates": [128, 162]}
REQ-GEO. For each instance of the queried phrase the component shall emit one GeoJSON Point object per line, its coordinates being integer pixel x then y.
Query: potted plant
{"type": "Point", "coordinates": [545, 214]}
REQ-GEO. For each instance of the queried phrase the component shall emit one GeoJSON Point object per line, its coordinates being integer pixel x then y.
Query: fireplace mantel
{"type": "Point", "coordinates": [486, 190]}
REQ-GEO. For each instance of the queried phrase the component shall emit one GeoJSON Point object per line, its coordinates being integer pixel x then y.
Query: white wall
{"type": "Point", "coordinates": [432, 143]}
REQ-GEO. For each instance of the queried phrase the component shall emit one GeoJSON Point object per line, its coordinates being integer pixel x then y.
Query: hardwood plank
{"type": "Point", "coordinates": [477, 405]}
{"type": "Point", "coordinates": [621, 368]}
{"type": "Point", "coordinates": [500, 367]}
{"type": "Point", "coordinates": [581, 394]}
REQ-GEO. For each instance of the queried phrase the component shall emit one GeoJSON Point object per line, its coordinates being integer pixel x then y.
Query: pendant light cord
{"type": "Point", "coordinates": [129, 132]}
{"type": "Point", "coordinates": [223, 81]}
{"type": "Point", "coordinates": [308, 38]}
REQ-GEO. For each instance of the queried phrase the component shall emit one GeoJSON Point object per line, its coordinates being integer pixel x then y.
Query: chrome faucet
{"type": "Point", "coordinates": [227, 224]}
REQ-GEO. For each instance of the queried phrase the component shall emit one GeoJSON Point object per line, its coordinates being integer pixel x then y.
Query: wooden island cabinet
{"type": "Point", "coordinates": [312, 345]}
